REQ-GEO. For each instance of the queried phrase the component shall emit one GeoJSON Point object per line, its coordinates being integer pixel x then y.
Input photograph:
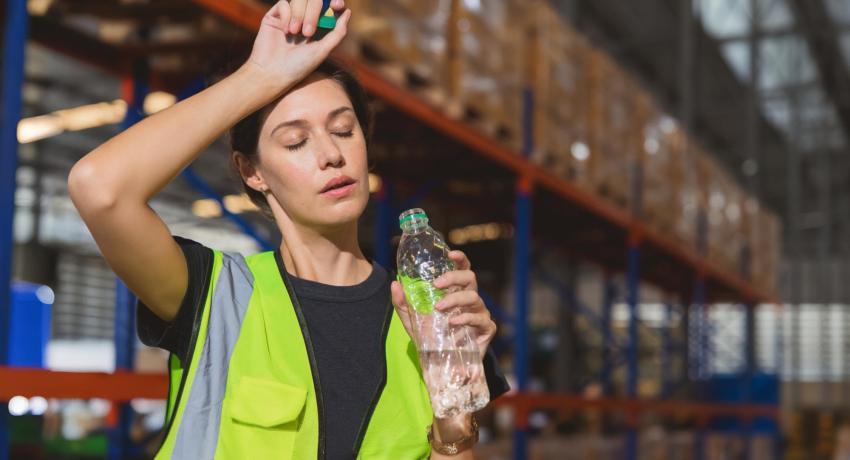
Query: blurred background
{"type": "Point", "coordinates": [655, 195]}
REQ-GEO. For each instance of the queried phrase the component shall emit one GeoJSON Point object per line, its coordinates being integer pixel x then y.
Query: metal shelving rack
{"type": "Point", "coordinates": [541, 201]}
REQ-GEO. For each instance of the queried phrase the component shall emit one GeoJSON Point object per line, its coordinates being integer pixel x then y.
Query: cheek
{"type": "Point", "coordinates": [287, 174]}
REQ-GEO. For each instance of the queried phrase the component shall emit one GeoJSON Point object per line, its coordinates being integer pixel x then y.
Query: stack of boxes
{"type": "Point", "coordinates": [593, 124]}
{"type": "Point", "coordinates": [556, 59]}
{"type": "Point", "coordinates": [616, 143]}
{"type": "Point", "coordinates": [484, 70]}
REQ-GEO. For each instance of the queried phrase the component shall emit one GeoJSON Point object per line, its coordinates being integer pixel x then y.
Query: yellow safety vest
{"type": "Point", "coordinates": [251, 389]}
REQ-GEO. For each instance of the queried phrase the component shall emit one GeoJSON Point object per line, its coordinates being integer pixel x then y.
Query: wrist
{"type": "Point", "coordinates": [452, 428]}
{"type": "Point", "coordinates": [453, 436]}
{"type": "Point", "coordinates": [258, 86]}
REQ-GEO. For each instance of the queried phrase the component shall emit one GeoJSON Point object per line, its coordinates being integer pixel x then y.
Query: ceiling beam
{"type": "Point", "coordinates": [57, 36]}
{"type": "Point", "coordinates": [822, 37]}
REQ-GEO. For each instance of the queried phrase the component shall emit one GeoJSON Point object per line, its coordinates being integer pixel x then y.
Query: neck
{"type": "Point", "coordinates": [329, 256]}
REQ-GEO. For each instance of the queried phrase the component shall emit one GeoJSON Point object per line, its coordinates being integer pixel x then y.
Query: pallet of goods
{"type": "Point", "coordinates": [616, 108]}
{"type": "Point", "coordinates": [663, 172]}
{"type": "Point", "coordinates": [406, 40]}
{"type": "Point", "coordinates": [766, 237]}
{"type": "Point", "coordinates": [484, 68]}
{"type": "Point", "coordinates": [555, 69]}
{"type": "Point", "coordinates": [722, 200]}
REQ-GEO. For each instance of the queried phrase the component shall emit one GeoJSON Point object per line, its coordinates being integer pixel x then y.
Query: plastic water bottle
{"type": "Point", "coordinates": [450, 359]}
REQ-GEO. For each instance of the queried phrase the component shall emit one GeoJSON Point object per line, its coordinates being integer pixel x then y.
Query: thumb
{"type": "Point", "coordinates": [335, 36]}
{"type": "Point", "coordinates": [401, 306]}
{"type": "Point", "coordinates": [399, 300]}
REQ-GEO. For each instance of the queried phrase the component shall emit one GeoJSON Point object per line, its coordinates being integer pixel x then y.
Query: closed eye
{"type": "Point", "coordinates": [297, 146]}
{"type": "Point", "coordinates": [345, 134]}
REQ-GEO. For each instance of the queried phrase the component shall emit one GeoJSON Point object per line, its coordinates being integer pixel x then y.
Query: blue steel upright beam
{"type": "Point", "coordinates": [749, 372]}
{"type": "Point", "coordinates": [608, 296]}
{"type": "Point", "coordinates": [632, 298]}
{"type": "Point", "coordinates": [522, 279]}
{"type": "Point", "coordinates": [702, 358]}
{"type": "Point", "coordinates": [14, 45]}
{"type": "Point", "coordinates": [666, 350]}
{"type": "Point", "coordinates": [124, 336]}
{"type": "Point", "coordinates": [383, 224]}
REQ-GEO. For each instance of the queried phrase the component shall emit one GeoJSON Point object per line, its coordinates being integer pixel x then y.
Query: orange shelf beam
{"type": "Point", "coordinates": [248, 14]}
{"type": "Point", "coordinates": [526, 402]}
{"type": "Point", "coordinates": [118, 386]}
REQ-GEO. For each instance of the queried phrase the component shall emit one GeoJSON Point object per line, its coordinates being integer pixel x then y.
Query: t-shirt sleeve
{"type": "Point", "coordinates": [496, 381]}
{"type": "Point", "coordinates": [176, 336]}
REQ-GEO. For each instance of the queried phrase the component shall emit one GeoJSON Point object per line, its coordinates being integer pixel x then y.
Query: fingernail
{"type": "Point", "coordinates": [439, 305]}
{"type": "Point", "coordinates": [308, 29]}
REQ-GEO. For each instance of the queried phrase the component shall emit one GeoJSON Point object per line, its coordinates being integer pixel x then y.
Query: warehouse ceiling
{"type": "Point", "coordinates": [803, 60]}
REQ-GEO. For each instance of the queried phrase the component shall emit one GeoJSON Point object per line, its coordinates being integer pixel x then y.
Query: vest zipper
{"type": "Point", "coordinates": [310, 354]}
{"type": "Point", "coordinates": [364, 424]}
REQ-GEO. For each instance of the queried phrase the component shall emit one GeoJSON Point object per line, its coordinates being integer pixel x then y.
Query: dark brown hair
{"type": "Point", "coordinates": [245, 135]}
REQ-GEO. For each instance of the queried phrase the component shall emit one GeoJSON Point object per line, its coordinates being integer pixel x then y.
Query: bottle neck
{"type": "Point", "coordinates": [412, 228]}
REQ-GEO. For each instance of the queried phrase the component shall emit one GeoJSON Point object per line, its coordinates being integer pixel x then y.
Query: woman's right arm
{"type": "Point", "coordinates": [112, 185]}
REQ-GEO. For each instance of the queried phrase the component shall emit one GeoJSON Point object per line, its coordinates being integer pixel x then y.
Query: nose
{"type": "Point", "coordinates": [330, 155]}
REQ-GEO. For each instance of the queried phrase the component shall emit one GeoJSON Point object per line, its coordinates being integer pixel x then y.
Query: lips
{"type": "Point", "coordinates": [337, 183]}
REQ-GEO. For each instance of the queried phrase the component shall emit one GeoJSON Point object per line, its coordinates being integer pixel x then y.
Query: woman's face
{"type": "Point", "coordinates": [312, 156]}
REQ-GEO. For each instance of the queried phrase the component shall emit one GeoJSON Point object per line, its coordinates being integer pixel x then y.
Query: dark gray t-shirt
{"type": "Point", "coordinates": [345, 325]}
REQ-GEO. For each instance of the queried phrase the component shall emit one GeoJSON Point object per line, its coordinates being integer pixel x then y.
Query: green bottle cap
{"type": "Point", "coordinates": [328, 19]}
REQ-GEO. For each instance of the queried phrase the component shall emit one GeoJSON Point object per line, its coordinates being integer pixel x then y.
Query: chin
{"type": "Point", "coordinates": [343, 212]}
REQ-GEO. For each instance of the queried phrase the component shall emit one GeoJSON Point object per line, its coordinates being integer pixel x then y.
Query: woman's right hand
{"type": "Point", "coordinates": [283, 49]}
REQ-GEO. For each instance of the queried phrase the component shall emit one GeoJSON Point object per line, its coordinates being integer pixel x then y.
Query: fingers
{"type": "Point", "coordinates": [460, 260]}
{"type": "Point", "coordinates": [278, 16]}
{"type": "Point", "coordinates": [311, 17]}
{"type": "Point", "coordinates": [284, 13]}
{"type": "Point", "coordinates": [468, 300]}
{"type": "Point", "coordinates": [481, 322]}
{"type": "Point", "coordinates": [463, 279]}
{"type": "Point", "coordinates": [298, 7]}
{"type": "Point", "coordinates": [338, 5]}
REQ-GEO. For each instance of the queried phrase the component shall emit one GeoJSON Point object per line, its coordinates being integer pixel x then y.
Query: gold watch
{"type": "Point", "coordinates": [456, 447]}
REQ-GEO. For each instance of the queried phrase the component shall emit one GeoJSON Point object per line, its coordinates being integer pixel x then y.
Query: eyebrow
{"type": "Point", "coordinates": [302, 123]}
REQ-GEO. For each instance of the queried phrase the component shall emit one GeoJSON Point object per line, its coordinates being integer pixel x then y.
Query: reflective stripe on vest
{"type": "Point", "coordinates": [249, 389]}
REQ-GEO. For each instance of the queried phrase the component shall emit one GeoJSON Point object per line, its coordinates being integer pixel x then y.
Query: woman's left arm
{"type": "Point", "coordinates": [473, 313]}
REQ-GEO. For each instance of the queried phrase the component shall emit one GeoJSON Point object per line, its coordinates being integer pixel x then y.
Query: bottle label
{"type": "Point", "coordinates": [421, 294]}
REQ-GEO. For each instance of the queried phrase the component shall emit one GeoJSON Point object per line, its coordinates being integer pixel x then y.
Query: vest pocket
{"type": "Point", "coordinates": [264, 418]}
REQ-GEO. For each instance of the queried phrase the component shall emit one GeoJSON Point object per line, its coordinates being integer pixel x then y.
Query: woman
{"type": "Point", "coordinates": [296, 353]}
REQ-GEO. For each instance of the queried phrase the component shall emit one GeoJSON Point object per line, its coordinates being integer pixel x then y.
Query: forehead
{"type": "Point", "coordinates": [310, 99]}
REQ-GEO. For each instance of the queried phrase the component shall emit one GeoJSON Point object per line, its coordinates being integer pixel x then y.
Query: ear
{"type": "Point", "coordinates": [249, 172]}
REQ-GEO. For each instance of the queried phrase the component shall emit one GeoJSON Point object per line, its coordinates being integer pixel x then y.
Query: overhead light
{"type": "Point", "coordinates": [209, 208]}
{"type": "Point", "coordinates": [38, 7]}
{"type": "Point", "coordinates": [38, 405]}
{"type": "Point", "coordinates": [580, 151]}
{"type": "Point", "coordinates": [75, 119]}
{"type": "Point", "coordinates": [206, 208]}
{"type": "Point", "coordinates": [651, 145]}
{"type": "Point", "coordinates": [92, 115]}
{"type": "Point", "coordinates": [238, 204]}
{"type": "Point", "coordinates": [481, 232]}
{"type": "Point", "coordinates": [668, 124]}
{"type": "Point", "coordinates": [45, 295]}
{"type": "Point", "coordinates": [18, 405]}
{"type": "Point", "coordinates": [37, 128]}
{"type": "Point", "coordinates": [375, 183]}
{"type": "Point", "coordinates": [157, 101]}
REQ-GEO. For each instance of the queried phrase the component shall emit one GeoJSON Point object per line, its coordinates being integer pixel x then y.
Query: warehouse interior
{"type": "Point", "coordinates": [655, 195]}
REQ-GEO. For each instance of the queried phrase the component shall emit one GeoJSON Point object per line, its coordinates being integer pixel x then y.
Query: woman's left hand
{"type": "Point", "coordinates": [463, 287]}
